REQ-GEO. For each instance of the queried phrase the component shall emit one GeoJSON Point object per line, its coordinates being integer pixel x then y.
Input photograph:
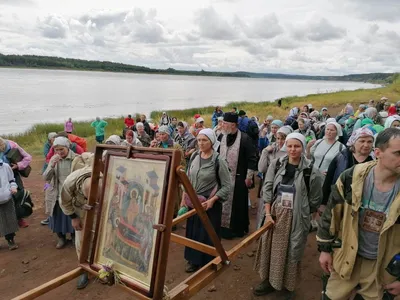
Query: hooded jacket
{"type": "Point", "coordinates": [340, 221]}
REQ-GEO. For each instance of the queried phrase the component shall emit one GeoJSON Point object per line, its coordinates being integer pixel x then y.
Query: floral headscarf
{"type": "Point", "coordinates": [361, 132]}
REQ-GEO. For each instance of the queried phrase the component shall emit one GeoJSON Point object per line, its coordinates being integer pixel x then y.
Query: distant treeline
{"type": "Point", "coordinates": [50, 62]}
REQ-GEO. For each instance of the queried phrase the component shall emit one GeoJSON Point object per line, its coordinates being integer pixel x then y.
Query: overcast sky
{"type": "Point", "coordinates": [320, 37]}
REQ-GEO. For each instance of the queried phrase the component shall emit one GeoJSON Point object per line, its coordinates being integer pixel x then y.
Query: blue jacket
{"type": "Point", "coordinates": [215, 117]}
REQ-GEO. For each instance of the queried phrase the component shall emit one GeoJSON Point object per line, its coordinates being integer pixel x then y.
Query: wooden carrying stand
{"type": "Point", "coordinates": [192, 284]}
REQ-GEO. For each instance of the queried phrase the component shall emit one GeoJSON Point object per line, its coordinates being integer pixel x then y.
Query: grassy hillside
{"type": "Point", "coordinates": [33, 139]}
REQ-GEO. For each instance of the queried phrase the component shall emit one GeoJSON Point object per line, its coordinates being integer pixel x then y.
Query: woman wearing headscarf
{"type": "Point", "coordinates": [305, 129]}
{"type": "Point", "coordinates": [292, 189]}
{"type": "Point", "coordinates": [275, 125]}
{"type": "Point", "coordinates": [392, 121]}
{"type": "Point", "coordinates": [370, 113]}
{"type": "Point", "coordinates": [131, 139]}
{"type": "Point", "coordinates": [322, 152]}
{"type": "Point", "coordinates": [166, 142]}
{"type": "Point", "coordinates": [46, 149]}
{"type": "Point", "coordinates": [347, 112]}
{"type": "Point", "coordinates": [218, 113]}
{"type": "Point", "coordinates": [185, 139]}
{"type": "Point", "coordinates": [218, 128]}
{"type": "Point", "coordinates": [142, 135]}
{"type": "Point", "coordinates": [6, 148]}
{"type": "Point", "coordinates": [60, 166]}
{"type": "Point", "coordinates": [47, 146]}
{"type": "Point", "coordinates": [8, 217]}
{"type": "Point", "coordinates": [359, 149]}
{"type": "Point", "coordinates": [210, 178]}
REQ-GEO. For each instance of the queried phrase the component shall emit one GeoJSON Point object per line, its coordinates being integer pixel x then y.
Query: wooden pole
{"type": "Point", "coordinates": [166, 234]}
{"type": "Point", "coordinates": [202, 214]}
{"type": "Point", "coordinates": [194, 244]}
{"type": "Point", "coordinates": [51, 285]}
{"type": "Point", "coordinates": [93, 195]}
{"type": "Point", "coordinates": [197, 281]}
{"type": "Point", "coordinates": [184, 217]}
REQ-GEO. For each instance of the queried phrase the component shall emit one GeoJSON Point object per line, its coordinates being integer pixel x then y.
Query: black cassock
{"type": "Point", "coordinates": [247, 159]}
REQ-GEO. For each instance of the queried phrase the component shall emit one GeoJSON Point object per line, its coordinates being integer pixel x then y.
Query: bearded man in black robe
{"type": "Point", "coordinates": [238, 150]}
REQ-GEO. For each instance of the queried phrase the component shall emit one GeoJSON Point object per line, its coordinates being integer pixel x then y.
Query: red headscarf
{"type": "Point", "coordinates": [392, 111]}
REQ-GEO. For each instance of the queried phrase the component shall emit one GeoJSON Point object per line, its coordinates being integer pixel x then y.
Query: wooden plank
{"type": "Point", "coordinates": [184, 217]}
{"type": "Point", "coordinates": [194, 244]}
{"type": "Point", "coordinates": [248, 240]}
{"type": "Point", "coordinates": [51, 285]}
{"type": "Point", "coordinates": [197, 281]}
{"type": "Point", "coordinates": [201, 213]}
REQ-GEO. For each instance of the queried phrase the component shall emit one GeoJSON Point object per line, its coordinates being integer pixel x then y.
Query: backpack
{"type": "Point", "coordinates": [306, 174]}
{"type": "Point", "coordinates": [23, 203]}
{"type": "Point", "coordinates": [252, 130]}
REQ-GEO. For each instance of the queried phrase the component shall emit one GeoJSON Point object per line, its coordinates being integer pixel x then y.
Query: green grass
{"type": "Point", "coordinates": [33, 139]}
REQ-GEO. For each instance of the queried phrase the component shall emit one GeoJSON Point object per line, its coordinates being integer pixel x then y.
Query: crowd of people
{"type": "Point", "coordinates": [337, 175]}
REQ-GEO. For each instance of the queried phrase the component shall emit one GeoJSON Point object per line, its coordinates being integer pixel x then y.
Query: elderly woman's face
{"type": "Point", "coordinates": [364, 145]}
{"type": "Point", "coordinates": [294, 148]}
{"type": "Point", "coordinates": [61, 150]}
{"type": "Point", "coordinates": [204, 143]}
{"type": "Point", "coordinates": [274, 129]}
{"type": "Point", "coordinates": [163, 136]}
{"type": "Point", "coordinates": [181, 130]}
{"type": "Point", "coordinates": [140, 129]}
{"type": "Point", "coordinates": [330, 131]}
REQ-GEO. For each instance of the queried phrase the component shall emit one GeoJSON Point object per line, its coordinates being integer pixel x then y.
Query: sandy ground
{"type": "Point", "coordinates": [38, 261]}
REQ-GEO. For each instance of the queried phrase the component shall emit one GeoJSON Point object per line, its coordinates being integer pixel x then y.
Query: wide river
{"type": "Point", "coordinates": [29, 97]}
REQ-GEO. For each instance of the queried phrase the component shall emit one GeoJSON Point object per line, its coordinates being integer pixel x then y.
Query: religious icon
{"type": "Point", "coordinates": [132, 204]}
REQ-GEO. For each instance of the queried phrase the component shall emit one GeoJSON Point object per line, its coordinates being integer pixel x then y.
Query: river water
{"type": "Point", "coordinates": [29, 96]}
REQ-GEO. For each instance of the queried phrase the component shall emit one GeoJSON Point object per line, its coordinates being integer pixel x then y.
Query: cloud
{"type": "Point", "coordinates": [284, 43]}
{"type": "Point", "coordinates": [27, 3]}
{"type": "Point", "coordinates": [318, 31]}
{"type": "Point", "coordinates": [266, 27]}
{"type": "Point", "coordinates": [53, 27]}
{"type": "Point", "coordinates": [376, 10]}
{"type": "Point", "coordinates": [211, 25]}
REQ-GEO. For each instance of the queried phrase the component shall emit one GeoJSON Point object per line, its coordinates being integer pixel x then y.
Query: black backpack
{"type": "Point", "coordinates": [306, 174]}
{"type": "Point", "coordinates": [23, 203]}
{"type": "Point", "coordinates": [252, 130]}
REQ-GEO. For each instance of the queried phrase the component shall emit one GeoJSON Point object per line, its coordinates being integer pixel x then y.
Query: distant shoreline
{"type": "Point", "coordinates": [58, 63]}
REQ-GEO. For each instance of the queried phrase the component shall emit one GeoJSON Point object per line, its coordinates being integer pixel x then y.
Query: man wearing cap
{"type": "Point", "coordinates": [324, 114]}
{"type": "Point", "coordinates": [237, 149]}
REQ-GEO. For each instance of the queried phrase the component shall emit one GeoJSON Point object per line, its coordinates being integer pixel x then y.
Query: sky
{"type": "Point", "coordinates": [311, 37]}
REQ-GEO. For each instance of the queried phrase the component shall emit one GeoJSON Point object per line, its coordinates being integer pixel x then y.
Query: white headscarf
{"type": "Point", "coordinates": [338, 128]}
{"type": "Point", "coordinates": [286, 130]}
{"type": "Point", "coordinates": [211, 136]}
{"type": "Point", "coordinates": [390, 120]}
{"type": "Point", "coordinates": [115, 139]}
{"type": "Point", "coordinates": [61, 141]}
{"type": "Point", "coordinates": [330, 120]}
{"type": "Point", "coordinates": [296, 136]}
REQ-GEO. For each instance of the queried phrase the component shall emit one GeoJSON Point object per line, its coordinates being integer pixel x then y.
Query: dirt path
{"type": "Point", "coordinates": [37, 261]}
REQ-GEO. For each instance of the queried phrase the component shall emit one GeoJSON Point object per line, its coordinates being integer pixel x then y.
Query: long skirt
{"type": "Point", "coordinates": [59, 222]}
{"type": "Point", "coordinates": [272, 257]}
{"type": "Point", "coordinates": [196, 231]}
{"type": "Point", "coordinates": [8, 218]}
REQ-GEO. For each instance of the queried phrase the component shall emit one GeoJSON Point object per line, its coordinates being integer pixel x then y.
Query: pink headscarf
{"type": "Point", "coordinates": [361, 132]}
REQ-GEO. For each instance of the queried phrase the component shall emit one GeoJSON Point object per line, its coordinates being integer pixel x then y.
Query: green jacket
{"type": "Point", "coordinates": [304, 201]}
{"type": "Point", "coordinates": [99, 127]}
{"type": "Point", "coordinates": [340, 221]}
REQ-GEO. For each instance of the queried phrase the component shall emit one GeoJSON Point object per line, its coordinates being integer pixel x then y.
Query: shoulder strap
{"type": "Point", "coordinates": [192, 157]}
{"type": "Point", "coordinates": [217, 170]}
{"type": "Point", "coordinates": [323, 157]}
{"type": "Point", "coordinates": [306, 176]}
{"type": "Point", "coordinates": [277, 166]}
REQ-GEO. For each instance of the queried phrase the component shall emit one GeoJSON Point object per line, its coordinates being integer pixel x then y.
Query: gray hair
{"type": "Point", "coordinates": [139, 124]}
